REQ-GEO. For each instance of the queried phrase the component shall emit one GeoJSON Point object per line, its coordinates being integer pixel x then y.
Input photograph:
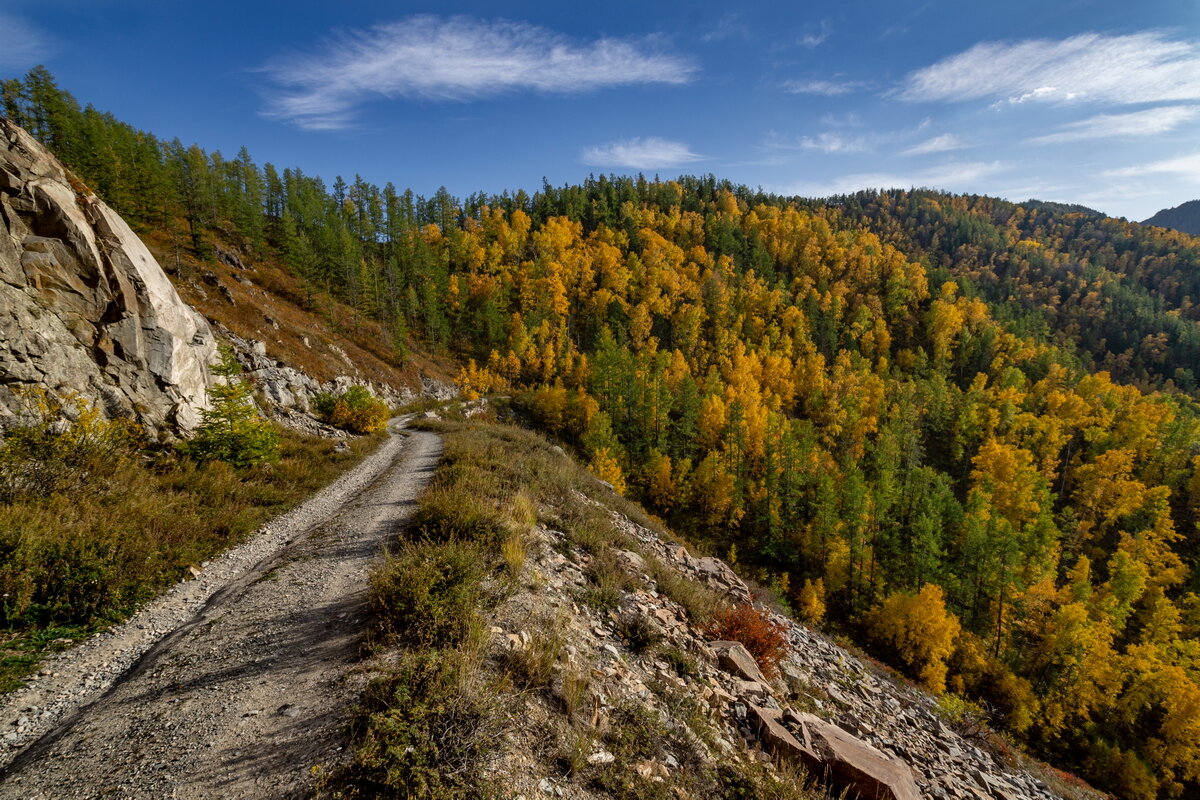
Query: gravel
{"type": "Point", "coordinates": [232, 684]}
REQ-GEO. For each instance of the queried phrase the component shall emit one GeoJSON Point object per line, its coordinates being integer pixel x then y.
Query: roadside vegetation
{"type": "Point", "coordinates": [94, 521]}
{"type": "Point", "coordinates": [355, 410]}
{"type": "Point", "coordinates": [450, 697]}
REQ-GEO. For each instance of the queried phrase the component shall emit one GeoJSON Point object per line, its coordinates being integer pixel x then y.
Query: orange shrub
{"type": "Point", "coordinates": [764, 639]}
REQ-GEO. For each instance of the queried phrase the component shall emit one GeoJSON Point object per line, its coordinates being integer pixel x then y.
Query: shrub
{"type": "Point", "coordinates": [684, 665]}
{"type": "Point", "coordinates": [59, 445]}
{"type": "Point", "coordinates": [233, 430]}
{"type": "Point", "coordinates": [637, 631]}
{"type": "Point", "coordinates": [355, 410]}
{"type": "Point", "coordinates": [608, 581]}
{"type": "Point", "coordinates": [427, 730]}
{"type": "Point", "coordinates": [968, 719]}
{"type": "Point", "coordinates": [762, 638]}
{"type": "Point", "coordinates": [427, 594]}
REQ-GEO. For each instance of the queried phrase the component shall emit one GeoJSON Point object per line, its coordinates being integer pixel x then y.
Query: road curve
{"type": "Point", "coordinates": [243, 699]}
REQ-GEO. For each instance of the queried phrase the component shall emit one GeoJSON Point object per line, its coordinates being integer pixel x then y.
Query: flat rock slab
{"type": "Point", "coordinates": [852, 764]}
{"type": "Point", "coordinates": [734, 658]}
{"type": "Point", "coordinates": [249, 696]}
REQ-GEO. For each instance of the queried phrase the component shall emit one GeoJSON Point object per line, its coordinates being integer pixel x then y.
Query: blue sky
{"type": "Point", "coordinates": [1088, 101]}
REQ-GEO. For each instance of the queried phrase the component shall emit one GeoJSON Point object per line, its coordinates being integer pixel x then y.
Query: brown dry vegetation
{"type": "Point", "coordinates": [275, 293]}
{"type": "Point", "coordinates": [74, 562]}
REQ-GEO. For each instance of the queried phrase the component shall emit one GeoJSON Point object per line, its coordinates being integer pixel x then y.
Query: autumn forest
{"type": "Point", "coordinates": [960, 430]}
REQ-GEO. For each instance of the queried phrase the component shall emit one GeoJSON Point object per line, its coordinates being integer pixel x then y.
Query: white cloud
{"type": "Point", "coordinates": [956, 175]}
{"type": "Point", "coordinates": [1150, 122]}
{"type": "Point", "coordinates": [1184, 167]}
{"type": "Point", "coordinates": [826, 142]}
{"type": "Point", "coordinates": [21, 45]}
{"type": "Point", "coordinates": [938, 144]}
{"type": "Point", "coordinates": [1135, 68]}
{"type": "Point", "coordinates": [648, 153]}
{"type": "Point", "coordinates": [458, 58]}
{"type": "Point", "coordinates": [729, 26]}
{"type": "Point", "coordinates": [848, 120]}
{"type": "Point", "coordinates": [823, 87]}
{"type": "Point", "coordinates": [811, 40]}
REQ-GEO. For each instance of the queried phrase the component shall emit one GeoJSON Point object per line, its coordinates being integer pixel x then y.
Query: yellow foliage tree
{"type": "Point", "coordinates": [606, 468]}
{"type": "Point", "coordinates": [919, 630]}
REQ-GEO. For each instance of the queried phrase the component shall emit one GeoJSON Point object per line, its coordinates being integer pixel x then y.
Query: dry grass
{"type": "Point", "coordinates": [73, 563]}
{"type": "Point", "coordinates": [275, 293]}
{"type": "Point", "coordinates": [532, 666]}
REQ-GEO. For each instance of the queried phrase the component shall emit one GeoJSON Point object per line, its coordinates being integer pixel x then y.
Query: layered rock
{"type": "Point", "coordinates": [84, 307]}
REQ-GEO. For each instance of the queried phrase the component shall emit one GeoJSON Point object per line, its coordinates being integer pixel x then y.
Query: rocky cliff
{"type": "Point", "coordinates": [84, 306]}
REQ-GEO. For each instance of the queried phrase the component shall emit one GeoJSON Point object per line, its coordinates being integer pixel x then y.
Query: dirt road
{"type": "Point", "coordinates": [247, 696]}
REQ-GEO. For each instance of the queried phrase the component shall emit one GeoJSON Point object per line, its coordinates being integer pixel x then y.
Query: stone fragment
{"type": "Point", "coordinates": [736, 660]}
{"type": "Point", "coordinates": [850, 763]}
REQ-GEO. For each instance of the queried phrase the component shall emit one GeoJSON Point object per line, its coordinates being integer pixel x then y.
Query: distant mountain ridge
{"type": "Point", "coordinates": [1184, 217]}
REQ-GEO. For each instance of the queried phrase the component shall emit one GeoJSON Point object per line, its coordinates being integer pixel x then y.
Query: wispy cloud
{"type": "Point", "coordinates": [1150, 122]}
{"type": "Point", "coordinates": [1184, 167]}
{"type": "Point", "coordinates": [815, 38]}
{"type": "Point", "coordinates": [955, 175]}
{"type": "Point", "coordinates": [938, 144]}
{"type": "Point", "coordinates": [848, 120]}
{"type": "Point", "coordinates": [828, 88]}
{"type": "Point", "coordinates": [826, 142]}
{"type": "Point", "coordinates": [729, 26]}
{"type": "Point", "coordinates": [21, 44]}
{"type": "Point", "coordinates": [1135, 68]}
{"type": "Point", "coordinates": [459, 58]}
{"type": "Point", "coordinates": [650, 152]}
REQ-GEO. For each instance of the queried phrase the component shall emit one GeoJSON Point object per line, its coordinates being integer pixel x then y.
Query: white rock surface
{"type": "Point", "coordinates": [84, 307]}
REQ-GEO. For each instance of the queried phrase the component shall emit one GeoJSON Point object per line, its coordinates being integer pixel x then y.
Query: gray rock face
{"type": "Point", "coordinates": [84, 307]}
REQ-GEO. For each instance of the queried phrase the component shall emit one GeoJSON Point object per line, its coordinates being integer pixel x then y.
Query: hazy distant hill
{"type": "Point", "coordinates": [1184, 217]}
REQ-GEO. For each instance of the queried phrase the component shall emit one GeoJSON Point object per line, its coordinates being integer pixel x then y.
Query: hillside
{"type": "Point", "coordinates": [1184, 217]}
{"type": "Point", "coordinates": [543, 642]}
{"type": "Point", "coordinates": [906, 405]}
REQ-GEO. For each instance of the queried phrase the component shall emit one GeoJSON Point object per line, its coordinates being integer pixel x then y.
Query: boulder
{"type": "Point", "coordinates": [777, 739]}
{"type": "Point", "coordinates": [735, 659]}
{"type": "Point", "coordinates": [84, 307]}
{"type": "Point", "coordinates": [721, 576]}
{"type": "Point", "coordinates": [849, 763]}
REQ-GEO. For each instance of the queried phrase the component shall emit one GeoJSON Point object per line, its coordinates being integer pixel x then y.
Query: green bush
{"type": "Point", "coordinates": [233, 430]}
{"type": "Point", "coordinates": [427, 730]}
{"type": "Point", "coordinates": [60, 445]}
{"type": "Point", "coordinates": [428, 593]}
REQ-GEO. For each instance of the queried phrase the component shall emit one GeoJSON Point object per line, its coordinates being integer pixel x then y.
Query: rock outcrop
{"type": "Point", "coordinates": [286, 393]}
{"type": "Point", "coordinates": [84, 307]}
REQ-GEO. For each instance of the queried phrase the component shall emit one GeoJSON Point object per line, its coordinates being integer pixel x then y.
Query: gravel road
{"type": "Point", "coordinates": [233, 685]}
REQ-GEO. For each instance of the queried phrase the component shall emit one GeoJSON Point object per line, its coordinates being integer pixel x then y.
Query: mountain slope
{"type": "Point", "coordinates": [1184, 217]}
{"type": "Point", "coordinates": [545, 643]}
